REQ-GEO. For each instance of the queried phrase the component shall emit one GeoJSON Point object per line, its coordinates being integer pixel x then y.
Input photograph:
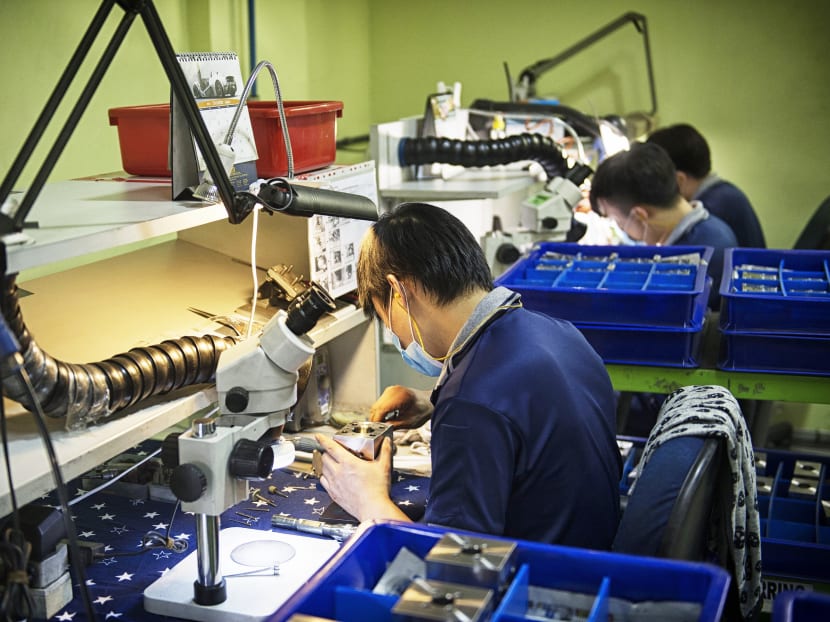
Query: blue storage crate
{"type": "Point", "coordinates": [795, 524]}
{"type": "Point", "coordinates": [801, 606]}
{"type": "Point", "coordinates": [342, 589]}
{"type": "Point", "coordinates": [775, 290]}
{"type": "Point", "coordinates": [635, 345]}
{"type": "Point", "coordinates": [775, 352]}
{"type": "Point", "coordinates": [629, 285]}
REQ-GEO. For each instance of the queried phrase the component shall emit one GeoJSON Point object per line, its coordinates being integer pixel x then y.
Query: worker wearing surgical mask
{"type": "Point", "coordinates": [522, 413]}
{"type": "Point", "coordinates": [414, 354]}
{"type": "Point", "coordinates": [638, 190]}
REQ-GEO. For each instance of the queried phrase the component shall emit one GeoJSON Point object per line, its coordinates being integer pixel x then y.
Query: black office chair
{"type": "Point", "coordinates": [669, 512]}
{"type": "Point", "coordinates": [816, 233]}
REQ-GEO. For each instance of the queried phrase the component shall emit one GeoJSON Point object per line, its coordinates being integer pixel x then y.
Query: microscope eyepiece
{"type": "Point", "coordinates": [307, 308]}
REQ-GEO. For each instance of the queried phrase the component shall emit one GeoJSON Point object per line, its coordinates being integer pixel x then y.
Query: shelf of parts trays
{"type": "Point", "coordinates": [644, 286]}
{"type": "Point", "coordinates": [775, 311]}
{"type": "Point", "coordinates": [794, 510]}
{"type": "Point", "coordinates": [782, 291]}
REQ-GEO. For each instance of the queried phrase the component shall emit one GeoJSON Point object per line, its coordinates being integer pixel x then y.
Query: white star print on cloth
{"type": "Point", "coordinates": [120, 570]}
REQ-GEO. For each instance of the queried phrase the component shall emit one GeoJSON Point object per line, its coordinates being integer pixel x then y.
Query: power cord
{"type": "Point", "coordinates": [16, 602]}
{"type": "Point", "coordinates": [12, 363]}
{"type": "Point", "coordinates": [153, 540]}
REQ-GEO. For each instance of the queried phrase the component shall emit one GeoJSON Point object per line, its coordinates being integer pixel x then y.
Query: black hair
{"type": "Point", "coordinates": [426, 244]}
{"type": "Point", "coordinates": [643, 175]}
{"type": "Point", "coordinates": [686, 147]}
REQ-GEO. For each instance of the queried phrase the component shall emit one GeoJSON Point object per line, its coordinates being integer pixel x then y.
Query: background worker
{"type": "Point", "coordinates": [522, 414]}
{"type": "Point", "coordinates": [638, 190]}
{"type": "Point", "coordinates": [690, 153]}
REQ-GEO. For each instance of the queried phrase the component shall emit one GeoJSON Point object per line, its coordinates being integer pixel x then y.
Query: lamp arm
{"type": "Point", "coordinates": [529, 75]}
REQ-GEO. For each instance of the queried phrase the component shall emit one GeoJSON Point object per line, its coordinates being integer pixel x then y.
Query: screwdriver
{"type": "Point", "coordinates": [338, 532]}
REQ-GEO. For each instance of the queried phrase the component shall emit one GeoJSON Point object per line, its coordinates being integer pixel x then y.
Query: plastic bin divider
{"type": "Point", "coordinates": [822, 522]}
{"type": "Point", "coordinates": [647, 280]}
{"type": "Point", "coordinates": [604, 278]}
{"type": "Point", "coordinates": [352, 605]}
{"type": "Point", "coordinates": [513, 606]}
{"type": "Point", "coordinates": [781, 285]}
{"type": "Point", "coordinates": [599, 612]}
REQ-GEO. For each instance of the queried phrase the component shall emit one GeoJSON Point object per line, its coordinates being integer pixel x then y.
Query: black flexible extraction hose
{"type": "Point", "coordinates": [527, 146]}
{"type": "Point", "coordinates": [90, 392]}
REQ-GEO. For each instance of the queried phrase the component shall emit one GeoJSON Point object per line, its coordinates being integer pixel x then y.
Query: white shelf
{"type": "Point", "coordinates": [82, 451]}
{"type": "Point", "coordinates": [113, 213]}
{"type": "Point", "coordinates": [95, 311]}
{"type": "Point", "coordinates": [488, 183]}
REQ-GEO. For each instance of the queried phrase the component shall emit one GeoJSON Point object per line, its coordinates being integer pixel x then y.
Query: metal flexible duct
{"type": "Point", "coordinates": [528, 146]}
{"type": "Point", "coordinates": [89, 392]}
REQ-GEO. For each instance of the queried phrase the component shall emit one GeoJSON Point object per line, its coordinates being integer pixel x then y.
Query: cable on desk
{"type": "Point", "coordinates": [12, 364]}
{"type": "Point", "coordinates": [16, 602]}
{"type": "Point", "coordinates": [254, 235]}
{"type": "Point", "coordinates": [155, 540]}
{"type": "Point", "coordinates": [110, 482]}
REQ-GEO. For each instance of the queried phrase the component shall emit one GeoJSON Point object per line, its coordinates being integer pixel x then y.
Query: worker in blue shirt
{"type": "Point", "coordinates": [522, 413]}
{"type": "Point", "coordinates": [692, 158]}
{"type": "Point", "coordinates": [638, 190]}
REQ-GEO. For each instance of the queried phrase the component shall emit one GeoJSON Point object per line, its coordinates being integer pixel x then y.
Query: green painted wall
{"type": "Point", "coordinates": [752, 76]}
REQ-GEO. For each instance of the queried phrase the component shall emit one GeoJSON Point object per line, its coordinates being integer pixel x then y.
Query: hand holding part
{"type": "Point", "coordinates": [402, 408]}
{"type": "Point", "coordinates": [360, 487]}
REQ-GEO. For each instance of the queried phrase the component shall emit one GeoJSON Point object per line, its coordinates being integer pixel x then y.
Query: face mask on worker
{"type": "Point", "coordinates": [622, 234]}
{"type": "Point", "coordinates": [417, 358]}
{"type": "Point", "coordinates": [414, 354]}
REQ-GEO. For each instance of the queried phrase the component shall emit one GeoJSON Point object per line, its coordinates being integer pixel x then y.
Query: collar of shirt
{"type": "Point", "coordinates": [697, 214]}
{"type": "Point", "coordinates": [710, 180]}
{"type": "Point", "coordinates": [494, 301]}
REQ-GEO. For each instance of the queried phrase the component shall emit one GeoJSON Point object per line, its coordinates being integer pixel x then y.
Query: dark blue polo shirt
{"type": "Point", "coordinates": [523, 436]}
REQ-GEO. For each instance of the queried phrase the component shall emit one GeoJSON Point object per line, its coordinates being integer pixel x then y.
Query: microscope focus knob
{"type": "Point", "coordinates": [188, 482]}
{"type": "Point", "coordinates": [236, 400]}
{"type": "Point", "coordinates": [170, 450]}
{"type": "Point", "coordinates": [251, 460]}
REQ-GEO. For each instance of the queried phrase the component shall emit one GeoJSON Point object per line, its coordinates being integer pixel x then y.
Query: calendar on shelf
{"type": "Point", "coordinates": [216, 84]}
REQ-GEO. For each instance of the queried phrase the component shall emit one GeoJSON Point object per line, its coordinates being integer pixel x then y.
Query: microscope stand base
{"type": "Point", "coordinates": [250, 598]}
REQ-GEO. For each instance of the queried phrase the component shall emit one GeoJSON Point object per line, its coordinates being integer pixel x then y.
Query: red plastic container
{"type": "Point", "coordinates": [143, 135]}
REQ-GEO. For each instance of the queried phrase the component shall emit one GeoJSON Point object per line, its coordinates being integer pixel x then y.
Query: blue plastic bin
{"type": "Point", "coordinates": [801, 606]}
{"type": "Point", "coordinates": [342, 589]}
{"type": "Point", "coordinates": [775, 352]}
{"type": "Point", "coordinates": [627, 285]}
{"type": "Point", "coordinates": [795, 528]}
{"type": "Point", "coordinates": [775, 290]}
{"type": "Point", "coordinates": [634, 345]}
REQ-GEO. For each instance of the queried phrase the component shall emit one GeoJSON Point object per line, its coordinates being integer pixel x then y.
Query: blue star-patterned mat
{"type": "Point", "coordinates": [128, 527]}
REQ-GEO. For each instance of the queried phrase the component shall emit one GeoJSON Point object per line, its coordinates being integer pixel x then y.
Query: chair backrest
{"type": "Point", "coordinates": [669, 510]}
{"type": "Point", "coordinates": [686, 530]}
{"type": "Point", "coordinates": [816, 233]}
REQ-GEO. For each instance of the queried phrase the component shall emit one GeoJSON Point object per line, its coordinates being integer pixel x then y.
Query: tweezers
{"type": "Point", "coordinates": [240, 327]}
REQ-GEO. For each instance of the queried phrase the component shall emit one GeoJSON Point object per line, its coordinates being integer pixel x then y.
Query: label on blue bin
{"type": "Point", "coordinates": [772, 586]}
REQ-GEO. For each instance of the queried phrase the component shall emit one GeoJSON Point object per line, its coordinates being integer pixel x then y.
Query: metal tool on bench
{"type": "Point", "coordinates": [239, 327]}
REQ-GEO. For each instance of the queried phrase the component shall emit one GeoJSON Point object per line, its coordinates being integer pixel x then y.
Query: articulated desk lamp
{"type": "Point", "coordinates": [523, 91]}
{"type": "Point", "coordinates": [257, 378]}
